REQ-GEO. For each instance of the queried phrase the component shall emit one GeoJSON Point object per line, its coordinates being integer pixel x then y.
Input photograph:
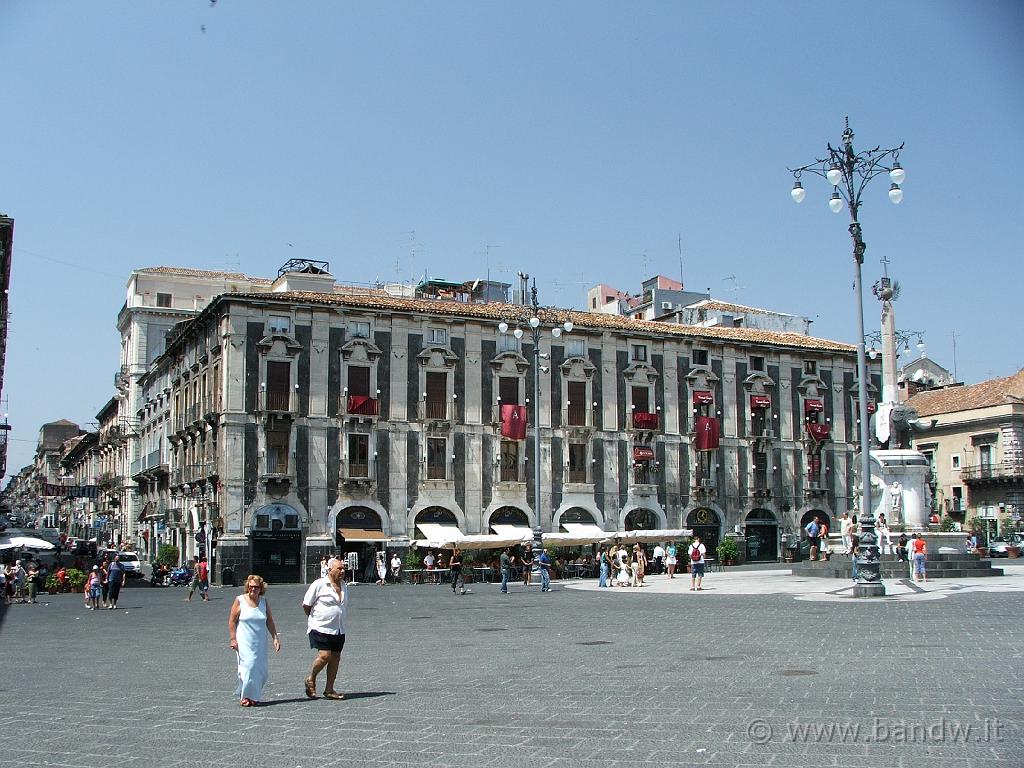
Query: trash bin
{"type": "Point", "coordinates": [227, 577]}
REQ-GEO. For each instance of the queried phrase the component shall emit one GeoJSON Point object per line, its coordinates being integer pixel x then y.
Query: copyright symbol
{"type": "Point", "coordinates": [759, 731]}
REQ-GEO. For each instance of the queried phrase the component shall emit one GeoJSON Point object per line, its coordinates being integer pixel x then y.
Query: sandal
{"type": "Point", "coordinates": [245, 703]}
{"type": "Point", "coordinates": [333, 695]}
{"type": "Point", "coordinates": [310, 688]}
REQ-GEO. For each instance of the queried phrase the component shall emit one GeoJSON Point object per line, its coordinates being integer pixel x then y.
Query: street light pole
{"type": "Point", "coordinates": [849, 172]}
{"type": "Point", "coordinates": [531, 318]}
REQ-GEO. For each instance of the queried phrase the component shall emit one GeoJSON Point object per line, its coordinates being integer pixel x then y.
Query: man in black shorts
{"type": "Point", "coordinates": [325, 604]}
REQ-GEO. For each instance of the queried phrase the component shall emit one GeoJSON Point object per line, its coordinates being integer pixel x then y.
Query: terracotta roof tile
{"type": "Point", "coordinates": [186, 272]}
{"type": "Point", "coordinates": [497, 311]}
{"type": "Point", "coordinates": [724, 306]}
{"type": "Point", "coordinates": [960, 398]}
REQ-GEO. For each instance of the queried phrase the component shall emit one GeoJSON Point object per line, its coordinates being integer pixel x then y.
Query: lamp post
{"type": "Point", "coordinates": [530, 317]}
{"type": "Point", "coordinates": [849, 172]}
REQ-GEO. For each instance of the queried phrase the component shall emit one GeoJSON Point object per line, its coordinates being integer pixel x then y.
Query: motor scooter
{"type": "Point", "coordinates": [180, 577]}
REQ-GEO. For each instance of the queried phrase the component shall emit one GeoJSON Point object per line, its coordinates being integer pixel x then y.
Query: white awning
{"type": "Point", "coordinates": [24, 542]}
{"type": "Point", "coordinates": [517, 532]}
{"type": "Point", "coordinates": [439, 535]}
{"type": "Point", "coordinates": [653, 536]}
{"type": "Point", "coordinates": [577, 535]}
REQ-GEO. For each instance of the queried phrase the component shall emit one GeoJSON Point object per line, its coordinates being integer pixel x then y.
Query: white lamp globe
{"type": "Point", "coordinates": [503, 326]}
{"type": "Point", "coordinates": [834, 176]}
{"type": "Point", "coordinates": [568, 326]}
{"type": "Point", "coordinates": [896, 194]}
{"type": "Point", "coordinates": [897, 174]}
{"type": "Point", "coordinates": [835, 203]}
{"type": "Point", "coordinates": [534, 321]}
{"type": "Point", "coordinates": [798, 192]}
{"type": "Point", "coordinates": [518, 333]}
{"type": "Point", "coordinates": [556, 331]}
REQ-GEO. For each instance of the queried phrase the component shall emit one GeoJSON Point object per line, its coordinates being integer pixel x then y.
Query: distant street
{"type": "Point", "coordinates": [576, 677]}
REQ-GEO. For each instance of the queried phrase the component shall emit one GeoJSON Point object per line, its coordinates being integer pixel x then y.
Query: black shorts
{"type": "Point", "coordinates": [322, 642]}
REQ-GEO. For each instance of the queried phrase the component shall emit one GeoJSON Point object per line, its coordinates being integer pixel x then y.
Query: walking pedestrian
{"type": "Point", "coordinates": [918, 550]}
{"type": "Point", "coordinates": [203, 572]}
{"type": "Point", "coordinates": [382, 567]}
{"type": "Point", "coordinates": [94, 588]}
{"type": "Point", "coordinates": [812, 529]}
{"type": "Point", "coordinates": [396, 568]}
{"type": "Point", "coordinates": [527, 561]}
{"type": "Point", "coordinates": [505, 564]}
{"type": "Point", "coordinates": [249, 623]}
{"type": "Point", "coordinates": [455, 564]}
{"type": "Point", "coordinates": [696, 553]}
{"type": "Point", "coordinates": [323, 567]}
{"type": "Point", "coordinates": [602, 565]}
{"type": "Point", "coordinates": [193, 585]}
{"type": "Point", "coordinates": [846, 532]}
{"type": "Point", "coordinates": [31, 582]}
{"type": "Point", "coordinates": [544, 564]}
{"type": "Point", "coordinates": [105, 581]}
{"type": "Point", "coordinates": [115, 580]}
{"type": "Point", "coordinates": [325, 604]}
{"type": "Point", "coordinates": [659, 558]}
{"type": "Point", "coordinates": [670, 560]}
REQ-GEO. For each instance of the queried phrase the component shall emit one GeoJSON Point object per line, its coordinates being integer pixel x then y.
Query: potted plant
{"type": "Point", "coordinates": [76, 579]}
{"type": "Point", "coordinates": [727, 552]}
{"type": "Point", "coordinates": [52, 585]}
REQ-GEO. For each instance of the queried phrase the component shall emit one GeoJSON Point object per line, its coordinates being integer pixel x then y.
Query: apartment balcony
{"type": "Point", "coordinates": [511, 472]}
{"type": "Point", "coordinates": [1007, 473]}
{"type": "Point", "coordinates": [435, 411]}
{"type": "Point", "coordinates": [578, 415]}
{"type": "Point", "coordinates": [645, 422]}
{"type": "Point", "coordinates": [360, 405]}
{"type": "Point", "coordinates": [275, 401]}
{"type": "Point", "coordinates": [358, 476]}
{"type": "Point", "coordinates": [764, 437]}
{"type": "Point", "coordinates": [211, 408]}
{"type": "Point", "coordinates": [121, 378]}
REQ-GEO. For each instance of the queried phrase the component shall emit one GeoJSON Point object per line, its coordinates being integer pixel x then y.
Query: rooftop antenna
{"type": "Point", "coordinates": [736, 287]}
{"type": "Point", "coordinates": [679, 245]}
{"type": "Point", "coordinates": [487, 259]}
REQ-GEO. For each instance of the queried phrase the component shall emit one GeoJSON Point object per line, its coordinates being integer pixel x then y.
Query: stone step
{"type": "Point", "coordinates": [889, 569]}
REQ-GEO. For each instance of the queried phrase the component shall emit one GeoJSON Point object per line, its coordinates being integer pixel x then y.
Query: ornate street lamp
{"type": "Point", "coordinates": [531, 318]}
{"type": "Point", "coordinates": [849, 172]}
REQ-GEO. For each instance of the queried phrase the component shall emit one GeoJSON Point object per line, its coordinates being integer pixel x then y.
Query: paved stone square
{"type": "Point", "coordinates": [577, 677]}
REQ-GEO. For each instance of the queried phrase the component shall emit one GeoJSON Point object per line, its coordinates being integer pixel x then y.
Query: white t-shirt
{"type": "Point", "coordinates": [428, 561]}
{"type": "Point", "coordinates": [659, 552]}
{"type": "Point", "coordinates": [328, 610]}
{"type": "Point", "coordinates": [700, 548]}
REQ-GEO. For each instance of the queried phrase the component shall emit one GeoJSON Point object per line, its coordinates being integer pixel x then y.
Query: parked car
{"type": "Point", "coordinates": [998, 547]}
{"type": "Point", "coordinates": [132, 565]}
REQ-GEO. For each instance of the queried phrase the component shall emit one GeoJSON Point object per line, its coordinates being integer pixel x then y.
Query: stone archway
{"type": "Point", "coordinates": [762, 532]}
{"type": "Point", "coordinates": [706, 523]}
{"type": "Point", "coordinates": [809, 515]}
{"type": "Point", "coordinates": [576, 515]}
{"type": "Point", "coordinates": [435, 514]}
{"type": "Point", "coordinates": [508, 515]}
{"type": "Point", "coordinates": [641, 519]}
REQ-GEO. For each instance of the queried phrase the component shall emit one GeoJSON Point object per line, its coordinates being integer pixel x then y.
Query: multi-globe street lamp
{"type": "Point", "coordinates": [529, 320]}
{"type": "Point", "coordinates": [849, 172]}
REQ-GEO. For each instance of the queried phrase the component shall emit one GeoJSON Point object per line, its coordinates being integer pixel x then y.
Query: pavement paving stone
{"type": "Point", "coordinates": [509, 682]}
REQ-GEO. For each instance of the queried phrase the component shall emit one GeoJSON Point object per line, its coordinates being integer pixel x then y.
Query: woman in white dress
{"type": "Point", "coordinates": [883, 534]}
{"type": "Point", "coordinates": [624, 575]}
{"type": "Point", "coordinates": [249, 623]}
{"type": "Point", "coordinates": [382, 568]}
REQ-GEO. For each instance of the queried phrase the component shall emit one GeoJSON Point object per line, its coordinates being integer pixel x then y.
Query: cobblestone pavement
{"type": "Point", "coordinates": [575, 677]}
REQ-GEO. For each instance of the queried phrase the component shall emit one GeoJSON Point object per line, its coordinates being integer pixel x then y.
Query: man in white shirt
{"type": "Point", "coordinates": [325, 603]}
{"type": "Point", "coordinates": [695, 552]}
{"type": "Point", "coordinates": [846, 531]}
{"type": "Point", "coordinates": [396, 567]}
{"type": "Point", "coordinates": [659, 557]}
{"type": "Point", "coordinates": [428, 561]}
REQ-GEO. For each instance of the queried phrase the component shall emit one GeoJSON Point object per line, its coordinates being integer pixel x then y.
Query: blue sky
{"type": "Point", "coordinates": [579, 139]}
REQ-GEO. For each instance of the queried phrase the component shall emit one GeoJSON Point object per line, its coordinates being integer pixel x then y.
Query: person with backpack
{"type": "Point", "coordinates": [697, 551]}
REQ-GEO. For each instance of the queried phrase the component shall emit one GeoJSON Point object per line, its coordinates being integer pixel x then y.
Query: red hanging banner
{"type": "Point", "coordinates": [814, 406]}
{"type": "Point", "coordinates": [760, 401]}
{"type": "Point", "coordinates": [642, 453]}
{"type": "Point", "coordinates": [819, 432]}
{"type": "Point", "coordinates": [701, 397]}
{"type": "Point", "coordinates": [513, 422]}
{"type": "Point", "coordinates": [707, 433]}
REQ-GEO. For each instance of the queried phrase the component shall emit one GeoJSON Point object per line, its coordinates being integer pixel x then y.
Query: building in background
{"type": "Point", "coordinates": [976, 449]}
{"type": "Point", "coordinates": [6, 253]}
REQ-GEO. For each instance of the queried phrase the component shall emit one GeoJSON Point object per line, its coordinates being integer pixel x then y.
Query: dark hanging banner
{"type": "Point", "coordinates": [71, 491]}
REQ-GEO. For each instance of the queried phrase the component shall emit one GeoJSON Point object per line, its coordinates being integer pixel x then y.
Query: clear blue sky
{"type": "Point", "coordinates": [581, 138]}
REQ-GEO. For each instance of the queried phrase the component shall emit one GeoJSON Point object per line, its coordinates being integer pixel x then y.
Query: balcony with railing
{"type": "Point", "coordinates": [360, 405]}
{"type": "Point", "coordinates": [433, 410]}
{"type": "Point", "coordinates": [646, 422]}
{"type": "Point", "coordinates": [275, 401]}
{"type": "Point", "coordinates": [578, 476]}
{"type": "Point", "coordinates": [511, 471]}
{"type": "Point", "coordinates": [1008, 472]}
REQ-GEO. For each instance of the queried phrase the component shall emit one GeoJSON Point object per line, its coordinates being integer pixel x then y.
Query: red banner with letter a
{"type": "Point", "coordinates": [513, 422]}
{"type": "Point", "coordinates": [707, 433]}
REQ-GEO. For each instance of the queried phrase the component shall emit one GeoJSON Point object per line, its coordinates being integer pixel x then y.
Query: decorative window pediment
{"type": "Point", "coordinates": [510, 364]}
{"type": "Point", "coordinates": [758, 382]}
{"type": "Point", "coordinates": [578, 368]}
{"type": "Point", "coordinates": [360, 350]}
{"type": "Point", "coordinates": [434, 356]}
{"type": "Point", "coordinates": [640, 373]}
{"type": "Point", "coordinates": [812, 386]}
{"type": "Point", "coordinates": [279, 344]}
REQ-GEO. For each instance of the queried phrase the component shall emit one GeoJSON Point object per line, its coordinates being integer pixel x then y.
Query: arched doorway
{"type": "Point", "coordinates": [576, 515]}
{"type": "Point", "coordinates": [438, 515]}
{"type": "Point", "coordinates": [762, 532]}
{"type": "Point", "coordinates": [810, 515]}
{"type": "Point", "coordinates": [509, 516]}
{"type": "Point", "coordinates": [641, 519]}
{"type": "Point", "coordinates": [276, 543]}
{"type": "Point", "coordinates": [359, 534]}
{"type": "Point", "coordinates": [704, 522]}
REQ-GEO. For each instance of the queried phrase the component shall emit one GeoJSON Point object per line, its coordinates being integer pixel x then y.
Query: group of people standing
{"type": "Point", "coordinates": [21, 582]}
{"type": "Point", "coordinates": [103, 584]}
{"type": "Point", "coordinates": [252, 631]}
